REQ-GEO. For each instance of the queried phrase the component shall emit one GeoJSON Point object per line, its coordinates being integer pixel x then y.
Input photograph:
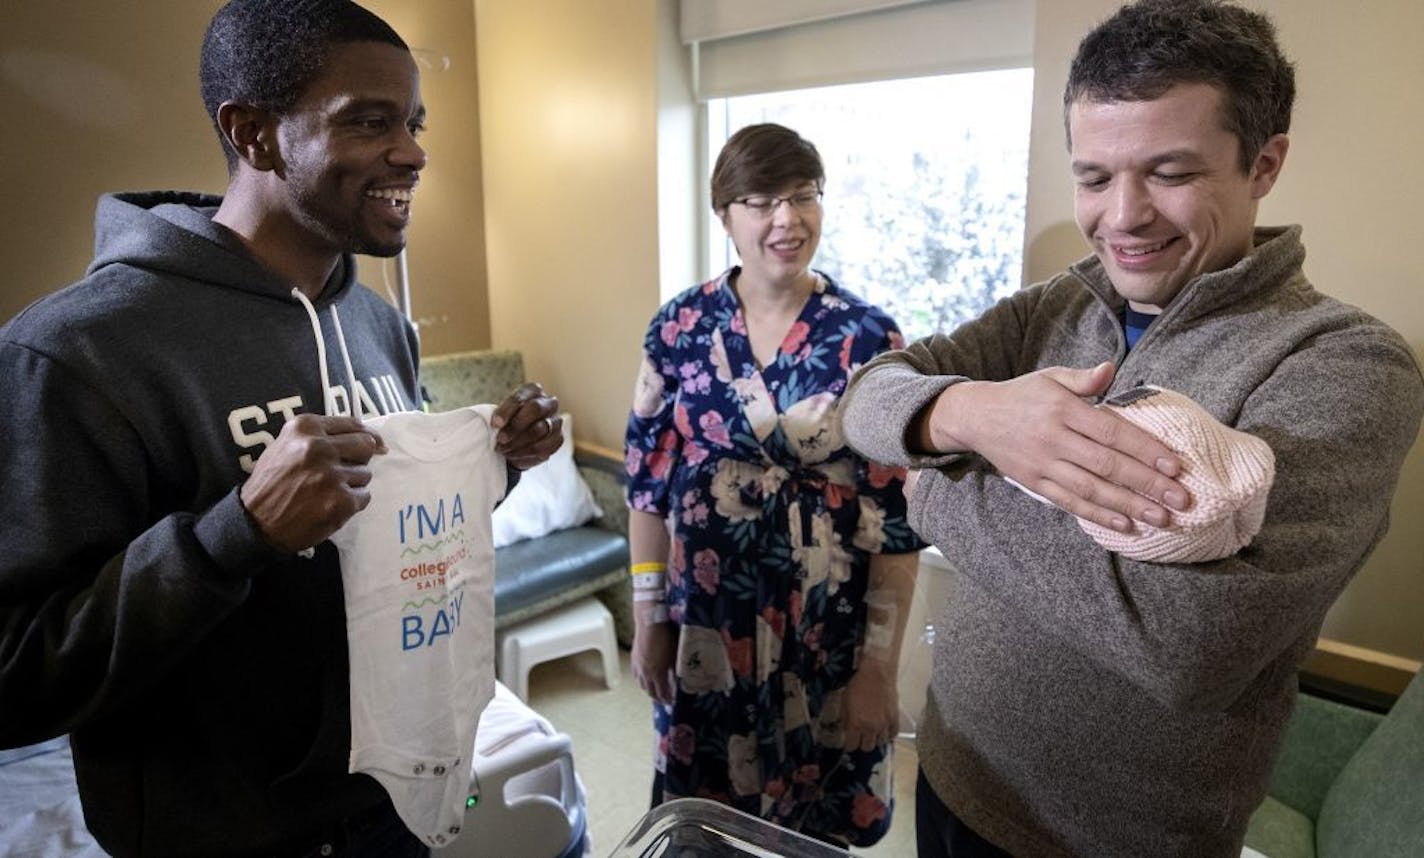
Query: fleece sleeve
{"type": "Point", "coordinates": [887, 393]}
{"type": "Point", "coordinates": [101, 591]}
{"type": "Point", "coordinates": [1340, 416]}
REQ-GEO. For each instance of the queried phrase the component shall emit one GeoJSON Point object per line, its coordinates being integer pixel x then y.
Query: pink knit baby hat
{"type": "Point", "coordinates": [1228, 473]}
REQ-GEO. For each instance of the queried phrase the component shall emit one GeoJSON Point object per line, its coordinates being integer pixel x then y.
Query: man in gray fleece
{"type": "Point", "coordinates": [1083, 703]}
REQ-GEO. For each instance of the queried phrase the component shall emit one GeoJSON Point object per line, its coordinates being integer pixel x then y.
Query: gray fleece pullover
{"type": "Point", "coordinates": [1085, 704]}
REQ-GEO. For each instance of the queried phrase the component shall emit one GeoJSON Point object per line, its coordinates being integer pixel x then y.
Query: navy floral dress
{"type": "Point", "coordinates": [774, 521]}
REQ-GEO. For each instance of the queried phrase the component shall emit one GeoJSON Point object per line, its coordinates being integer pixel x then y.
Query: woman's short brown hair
{"type": "Point", "coordinates": [762, 159]}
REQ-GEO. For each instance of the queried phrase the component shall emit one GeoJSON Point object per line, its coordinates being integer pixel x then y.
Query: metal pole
{"type": "Point", "coordinates": [403, 285]}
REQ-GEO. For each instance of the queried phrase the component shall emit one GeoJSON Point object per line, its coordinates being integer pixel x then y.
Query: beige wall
{"type": "Point", "coordinates": [445, 248]}
{"type": "Point", "coordinates": [680, 170]}
{"type": "Point", "coordinates": [104, 97]}
{"type": "Point", "coordinates": [98, 99]}
{"type": "Point", "coordinates": [1353, 178]}
{"type": "Point", "coordinates": [568, 95]}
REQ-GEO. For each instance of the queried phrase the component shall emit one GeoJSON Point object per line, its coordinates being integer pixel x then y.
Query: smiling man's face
{"type": "Point", "coordinates": [349, 149]}
{"type": "Point", "coordinates": [1161, 196]}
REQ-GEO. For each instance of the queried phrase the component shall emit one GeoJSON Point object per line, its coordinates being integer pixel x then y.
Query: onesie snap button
{"type": "Point", "coordinates": [419, 768]}
{"type": "Point", "coordinates": [326, 849]}
{"type": "Point", "coordinates": [439, 770]}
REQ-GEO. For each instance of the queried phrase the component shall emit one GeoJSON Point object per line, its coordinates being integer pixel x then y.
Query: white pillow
{"type": "Point", "coordinates": [550, 496]}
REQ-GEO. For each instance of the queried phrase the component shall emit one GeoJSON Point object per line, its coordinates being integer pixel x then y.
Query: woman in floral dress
{"type": "Point", "coordinates": [773, 566]}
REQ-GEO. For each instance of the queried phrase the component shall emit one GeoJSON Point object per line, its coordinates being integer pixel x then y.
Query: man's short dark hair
{"type": "Point", "coordinates": [1148, 47]}
{"type": "Point", "coordinates": [266, 53]}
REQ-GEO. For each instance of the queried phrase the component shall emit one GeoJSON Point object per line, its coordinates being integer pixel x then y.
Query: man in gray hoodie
{"type": "Point", "coordinates": [172, 451]}
{"type": "Point", "coordinates": [1083, 703]}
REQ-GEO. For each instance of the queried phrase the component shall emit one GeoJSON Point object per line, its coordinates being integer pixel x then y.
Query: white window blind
{"type": "Point", "coordinates": [748, 46]}
{"type": "Point", "coordinates": [705, 20]}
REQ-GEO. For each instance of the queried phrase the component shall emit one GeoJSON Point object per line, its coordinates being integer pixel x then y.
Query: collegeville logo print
{"type": "Point", "coordinates": [432, 546]}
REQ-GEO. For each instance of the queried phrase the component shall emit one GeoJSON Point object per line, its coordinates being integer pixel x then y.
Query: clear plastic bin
{"type": "Point", "coordinates": [698, 828]}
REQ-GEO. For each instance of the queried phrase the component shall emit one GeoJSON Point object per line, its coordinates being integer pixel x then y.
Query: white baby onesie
{"type": "Point", "coordinates": [417, 565]}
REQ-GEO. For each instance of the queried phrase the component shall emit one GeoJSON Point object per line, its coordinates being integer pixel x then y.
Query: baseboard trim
{"type": "Point", "coordinates": [1374, 671]}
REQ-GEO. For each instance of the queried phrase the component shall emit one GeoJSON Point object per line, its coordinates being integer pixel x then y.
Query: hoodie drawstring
{"type": "Point", "coordinates": [328, 400]}
{"type": "Point", "coordinates": [346, 361]}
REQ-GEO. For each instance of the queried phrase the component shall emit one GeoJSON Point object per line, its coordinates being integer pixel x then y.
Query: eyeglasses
{"type": "Point", "coordinates": [762, 205]}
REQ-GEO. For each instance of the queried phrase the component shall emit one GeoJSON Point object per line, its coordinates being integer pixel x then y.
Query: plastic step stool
{"type": "Point", "coordinates": [585, 624]}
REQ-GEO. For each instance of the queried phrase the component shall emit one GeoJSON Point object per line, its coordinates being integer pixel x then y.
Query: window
{"type": "Point", "coordinates": [925, 186]}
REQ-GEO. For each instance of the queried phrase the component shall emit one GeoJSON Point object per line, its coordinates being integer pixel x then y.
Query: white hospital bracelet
{"type": "Point", "coordinates": [880, 616]}
{"type": "Point", "coordinates": [649, 581]}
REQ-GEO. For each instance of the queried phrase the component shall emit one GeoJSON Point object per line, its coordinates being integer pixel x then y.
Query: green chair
{"type": "Point", "coordinates": [1349, 783]}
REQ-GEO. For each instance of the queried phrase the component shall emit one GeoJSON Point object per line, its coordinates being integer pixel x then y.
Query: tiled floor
{"type": "Point", "coordinates": [612, 738]}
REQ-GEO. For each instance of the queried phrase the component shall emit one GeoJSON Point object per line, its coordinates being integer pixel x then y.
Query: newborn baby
{"type": "Point", "coordinates": [1228, 472]}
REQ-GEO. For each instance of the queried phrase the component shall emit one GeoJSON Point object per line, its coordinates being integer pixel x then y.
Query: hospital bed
{"type": "Point", "coordinates": [526, 800]}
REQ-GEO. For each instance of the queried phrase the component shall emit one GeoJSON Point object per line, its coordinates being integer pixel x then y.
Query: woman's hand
{"type": "Point", "coordinates": [871, 707]}
{"type": "Point", "coordinates": [654, 650]}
